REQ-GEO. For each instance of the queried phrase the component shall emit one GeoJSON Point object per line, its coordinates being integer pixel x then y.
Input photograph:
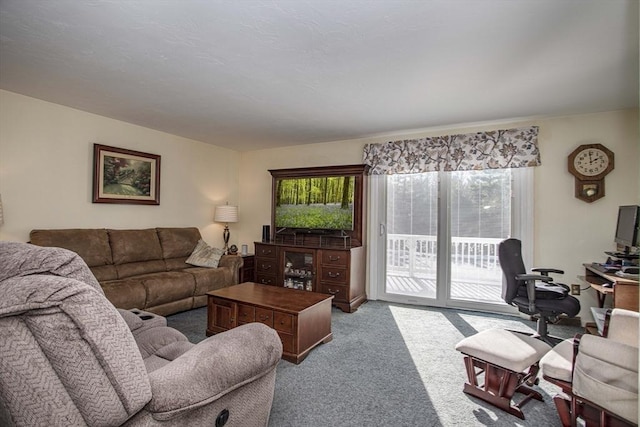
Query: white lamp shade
{"type": "Point", "coordinates": [226, 213]}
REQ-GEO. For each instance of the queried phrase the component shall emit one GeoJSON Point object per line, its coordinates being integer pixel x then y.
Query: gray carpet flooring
{"type": "Point", "coordinates": [391, 365]}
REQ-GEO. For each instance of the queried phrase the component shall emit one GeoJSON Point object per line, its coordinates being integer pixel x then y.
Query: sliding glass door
{"type": "Point", "coordinates": [438, 235]}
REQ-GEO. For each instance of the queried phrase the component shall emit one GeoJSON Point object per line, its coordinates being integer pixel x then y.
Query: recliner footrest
{"type": "Point", "coordinates": [507, 360]}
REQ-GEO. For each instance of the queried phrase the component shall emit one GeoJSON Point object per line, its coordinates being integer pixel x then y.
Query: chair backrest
{"type": "Point", "coordinates": [510, 257]}
{"type": "Point", "coordinates": [623, 326]}
{"type": "Point", "coordinates": [68, 357]}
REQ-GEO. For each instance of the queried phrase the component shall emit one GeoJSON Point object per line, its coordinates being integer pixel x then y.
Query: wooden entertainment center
{"type": "Point", "coordinates": [317, 260]}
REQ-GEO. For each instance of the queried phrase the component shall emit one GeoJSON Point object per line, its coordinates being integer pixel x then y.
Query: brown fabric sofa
{"type": "Point", "coordinates": [69, 358]}
{"type": "Point", "coordinates": [145, 269]}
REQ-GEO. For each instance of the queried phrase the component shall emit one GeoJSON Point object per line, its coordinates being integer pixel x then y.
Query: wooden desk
{"type": "Point", "coordinates": [624, 292]}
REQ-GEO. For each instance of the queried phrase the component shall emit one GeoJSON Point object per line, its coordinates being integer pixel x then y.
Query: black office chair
{"type": "Point", "coordinates": [534, 294]}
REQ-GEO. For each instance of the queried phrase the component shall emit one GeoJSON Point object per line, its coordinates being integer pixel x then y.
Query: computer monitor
{"type": "Point", "coordinates": [627, 227]}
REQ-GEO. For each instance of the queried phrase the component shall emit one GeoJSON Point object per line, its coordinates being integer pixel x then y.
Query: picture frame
{"type": "Point", "coordinates": [125, 176]}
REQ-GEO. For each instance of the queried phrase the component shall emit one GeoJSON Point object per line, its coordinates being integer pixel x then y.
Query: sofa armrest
{"type": "Point", "coordinates": [213, 368]}
{"type": "Point", "coordinates": [234, 262]}
{"type": "Point", "coordinates": [606, 373]}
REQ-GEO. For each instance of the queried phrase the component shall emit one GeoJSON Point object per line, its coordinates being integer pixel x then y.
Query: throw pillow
{"type": "Point", "coordinates": [204, 255]}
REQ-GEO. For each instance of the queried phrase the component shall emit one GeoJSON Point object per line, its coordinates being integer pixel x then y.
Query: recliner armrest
{"type": "Point", "coordinates": [213, 368]}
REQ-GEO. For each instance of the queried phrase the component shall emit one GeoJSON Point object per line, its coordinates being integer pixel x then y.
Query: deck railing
{"type": "Point", "coordinates": [472, 258]}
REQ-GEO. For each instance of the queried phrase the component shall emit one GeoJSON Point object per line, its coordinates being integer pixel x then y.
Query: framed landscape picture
{"type": "Point", "coordinates": [125, 176]}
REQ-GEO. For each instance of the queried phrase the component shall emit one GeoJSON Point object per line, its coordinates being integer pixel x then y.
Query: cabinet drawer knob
{"type": "Point", "coordinates": [266, 266]}
{"type": "Point", "coordinates": [334, 274]}
{"type": "Point", "coordinates": [331, 258]}
{"type": "Point", "coordinates": [263, 317]}
{"type": "Point", "coordinates": [332, 292]}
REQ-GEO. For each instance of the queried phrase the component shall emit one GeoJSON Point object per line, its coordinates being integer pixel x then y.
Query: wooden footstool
{"type": "Point", "coordinates": [508, 360]}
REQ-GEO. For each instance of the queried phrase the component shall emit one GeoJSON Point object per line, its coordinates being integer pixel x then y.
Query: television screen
{"type": "Point", "coordinates": [627, 225]}
{"type": "Point", "coordinates": [315, 203]}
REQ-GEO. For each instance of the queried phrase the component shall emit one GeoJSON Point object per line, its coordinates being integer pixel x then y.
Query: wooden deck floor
{"type": "Point", "coordinates": [423, 287]}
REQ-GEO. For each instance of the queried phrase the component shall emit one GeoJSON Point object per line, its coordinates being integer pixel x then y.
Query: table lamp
{"type": "Point", "coordinates": [226, 214]}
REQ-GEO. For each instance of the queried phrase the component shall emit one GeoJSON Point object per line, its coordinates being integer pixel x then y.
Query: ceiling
{"type": "Point", "coordinates": [253, 74]}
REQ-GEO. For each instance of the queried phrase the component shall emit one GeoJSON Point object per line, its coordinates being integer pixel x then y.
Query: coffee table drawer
{"type": "Point", "coordinates": [283, 322]}
{"type": "Point", "coordinates": [287, 342]}
{"type": "Point", "coordinates": [265, 316]}
{"type": "Point", "coordinates": [246, 313]}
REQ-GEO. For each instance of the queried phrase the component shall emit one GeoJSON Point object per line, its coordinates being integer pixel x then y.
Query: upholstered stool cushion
{"type": "Point", "coordinates": [511, 350]}
{"type": "Point", "coordinates": [502, 357]}
{"type": "Point", "coordinates": [558, 363]}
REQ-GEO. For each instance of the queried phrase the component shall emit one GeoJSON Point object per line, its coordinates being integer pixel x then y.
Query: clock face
{"type": "Point", "coordinates": [591, 162]}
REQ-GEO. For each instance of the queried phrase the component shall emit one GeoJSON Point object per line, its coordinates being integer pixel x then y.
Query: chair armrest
{"type": "Point", "coordinates": [213, 368]}
{"type": "Point", "coordinates": [546, 271]}
{"type": "Point", "coordinates": [606, 373]}
{"type": "Point", "coordinates": [530, 281]}
{"type": "Point", "coordinates": [234, 262]}
{"type": "Point", "coordinates": [523, 277]}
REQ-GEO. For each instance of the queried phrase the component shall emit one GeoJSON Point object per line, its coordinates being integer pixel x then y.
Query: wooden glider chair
{"type": "Point", "coordinates": [501, 363]}
{"type": "Point", "coordinates": [598, 376]}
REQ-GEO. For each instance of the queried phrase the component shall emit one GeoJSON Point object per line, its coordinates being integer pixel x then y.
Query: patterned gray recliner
{"type": "Point", "coordinates": [69, 358]}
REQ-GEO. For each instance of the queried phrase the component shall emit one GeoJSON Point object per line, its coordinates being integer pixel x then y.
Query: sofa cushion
{"type": "Point", "coordinates": [132, 269]}
{"type": "Point", "coordinates": [91, 244]}
{"type": "Point", "coordinates": [208, 279]}
{"type": "Point", "coordinates": [134, 245]}
{"type": "Point", "coordinates": [205, 256]}
{"type": "Point", "coordinates": [166, 287]}
{"type": "Point", "coordinates": [104, 272]}
{"type": "Point", "coordinates": [178, 242]}
{"type": "Point", "coordinates": [126, 293]}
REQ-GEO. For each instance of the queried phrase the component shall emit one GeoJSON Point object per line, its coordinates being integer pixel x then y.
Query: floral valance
{"type": "Point", "coordinates": [497, 149]}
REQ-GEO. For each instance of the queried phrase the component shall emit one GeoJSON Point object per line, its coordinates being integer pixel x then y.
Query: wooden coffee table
{"type": "Point", "coordinates": [302, 319]}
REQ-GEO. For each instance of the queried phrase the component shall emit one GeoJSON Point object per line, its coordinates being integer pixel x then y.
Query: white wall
{"type": "Point", "coordinates": [568, 232]}
{"type": "Point", "coordinates": [46, 170]}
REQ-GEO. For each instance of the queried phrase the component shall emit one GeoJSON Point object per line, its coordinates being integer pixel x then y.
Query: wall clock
{"type": "Point", "coordinates": [589, 164]}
